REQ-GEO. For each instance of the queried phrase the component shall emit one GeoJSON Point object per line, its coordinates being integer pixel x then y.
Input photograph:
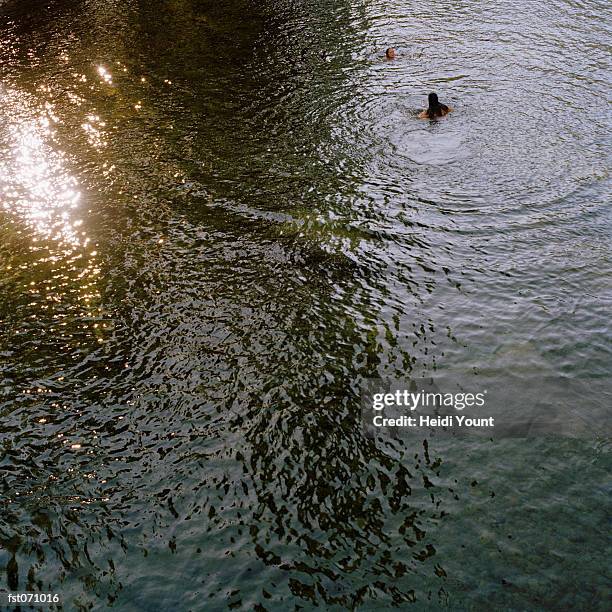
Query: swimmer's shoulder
{"type": "Point", "coordinates": [425, 115]}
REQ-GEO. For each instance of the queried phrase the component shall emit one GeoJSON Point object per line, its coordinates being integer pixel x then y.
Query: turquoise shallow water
{"type": "Point", "coordinates": [218, 219]}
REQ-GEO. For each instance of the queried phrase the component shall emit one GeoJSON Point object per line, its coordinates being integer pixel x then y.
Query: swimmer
{"type": "Point", "coordinates": [435, 109]}
{"type": "Point", "coordinates": [390, 53]}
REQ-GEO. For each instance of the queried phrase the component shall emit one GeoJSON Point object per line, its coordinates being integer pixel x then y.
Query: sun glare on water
{"type": "Point", "coordinates": [42, 206]}
{"type": "Point", "coordinates": [34, 182]}
{"type": "Point", "coordinates": [105, 74]}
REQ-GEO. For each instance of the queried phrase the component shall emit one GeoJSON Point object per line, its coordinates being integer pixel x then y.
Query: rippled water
{"type": "Point", "coordinates": [217, 218]}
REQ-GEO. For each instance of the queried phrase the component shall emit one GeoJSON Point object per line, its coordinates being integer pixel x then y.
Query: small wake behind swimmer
{"type": "Point", "coordinates": [433, 147]}
{"type": "Point", "coordinates": [423, 147]}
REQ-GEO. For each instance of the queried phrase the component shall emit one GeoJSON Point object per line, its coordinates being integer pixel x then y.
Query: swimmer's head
{"type": "Point", "coordinates": [390, 53]}
{"type": "Point", "coordinates": [433, 100]}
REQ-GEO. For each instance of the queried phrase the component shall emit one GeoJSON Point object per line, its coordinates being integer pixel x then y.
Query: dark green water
{"type": "Point", "coordinates": [217, 219]}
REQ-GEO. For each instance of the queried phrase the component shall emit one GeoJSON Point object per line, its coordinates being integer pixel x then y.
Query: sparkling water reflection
{"type": "Point", "coordinates": [36, 186]}
{"type": "Point", "coordinates": [219, 218]}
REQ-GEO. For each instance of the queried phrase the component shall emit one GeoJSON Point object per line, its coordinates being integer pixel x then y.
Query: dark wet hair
{"type": "Point", "coordinates": [435, 109]}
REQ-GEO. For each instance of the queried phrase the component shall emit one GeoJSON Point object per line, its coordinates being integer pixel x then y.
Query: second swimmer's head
{"type": "Point", "coordinates": [433, 100]}
{"type": "Point", "coordinates": [390, 53]}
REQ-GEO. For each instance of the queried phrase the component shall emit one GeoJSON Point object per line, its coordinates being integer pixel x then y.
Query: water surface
{"type": "Point", "coordinates": [217, 219]}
